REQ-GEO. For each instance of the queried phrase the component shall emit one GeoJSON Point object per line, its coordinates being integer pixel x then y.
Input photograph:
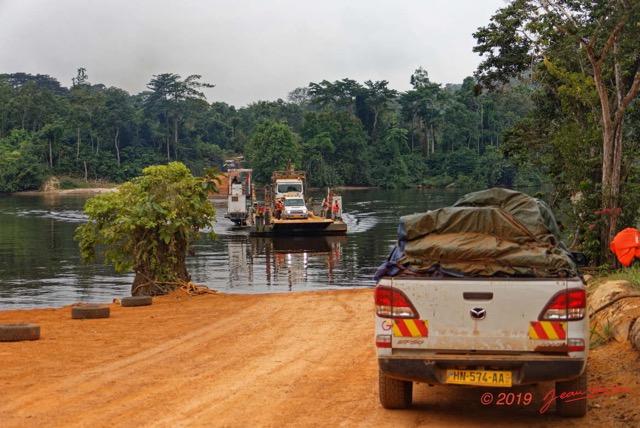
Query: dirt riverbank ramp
{"type": "Point", "coordinates": [302, 359]}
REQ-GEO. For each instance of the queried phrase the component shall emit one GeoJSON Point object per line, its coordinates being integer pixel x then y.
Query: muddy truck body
{"type": "Point", "coordinates": [482, 294]}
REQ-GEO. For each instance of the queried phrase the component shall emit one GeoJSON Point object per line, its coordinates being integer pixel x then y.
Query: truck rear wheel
{"type": "Point", "coordinates": [394, 393]}
{"type": "Point", "coordinates": [576, 408]}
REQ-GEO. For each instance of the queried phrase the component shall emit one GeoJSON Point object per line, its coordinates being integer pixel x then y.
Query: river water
{"type": "Point", "coordinates": [40, 262]}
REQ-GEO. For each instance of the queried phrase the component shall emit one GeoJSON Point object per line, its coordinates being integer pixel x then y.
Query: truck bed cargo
{"type": "Point", "coordinates": [482, 293]}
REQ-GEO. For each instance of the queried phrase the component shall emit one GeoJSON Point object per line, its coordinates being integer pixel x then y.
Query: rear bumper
{"type": "Point", "coordinates": [525, 370]}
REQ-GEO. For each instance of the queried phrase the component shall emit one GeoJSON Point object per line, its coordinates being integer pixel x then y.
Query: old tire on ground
{"type": "Point", "coordinates": [136, 301]}
{"type": "Point", "coordinates": [18, 332]}
{"type": "Point", "coordinates": [394, 393]}
{"type": "Point", "coordinates": [575, 408]}
{"type": "Point", "coordinates": [90, 312]}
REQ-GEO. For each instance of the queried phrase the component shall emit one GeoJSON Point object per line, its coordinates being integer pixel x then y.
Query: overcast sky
{"type": "Point", "coordinates": [251, 50]}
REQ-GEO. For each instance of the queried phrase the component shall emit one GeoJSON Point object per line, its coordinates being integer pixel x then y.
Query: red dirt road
{"type": "Point", "coordinates": [299, 359]}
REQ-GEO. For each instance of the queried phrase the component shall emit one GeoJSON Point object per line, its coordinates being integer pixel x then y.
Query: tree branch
{"type": "Point", "coordinates": [614, 34]}
{"type": "Point", "coordinates": [548, 6]}
{"type": "Point", "coordinates": [631, 94]}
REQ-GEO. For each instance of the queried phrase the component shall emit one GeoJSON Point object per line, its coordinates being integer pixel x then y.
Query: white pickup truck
{"type": "Point", "coordinates": [482, 293]}
{"type": "Point", "coordinates": [294, 207]}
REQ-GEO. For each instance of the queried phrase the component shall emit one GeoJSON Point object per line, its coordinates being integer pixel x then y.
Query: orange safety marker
{"type": "Point", "coordinates": [410, 328]}
{"type": "Point", "coordinates": [547, 330]}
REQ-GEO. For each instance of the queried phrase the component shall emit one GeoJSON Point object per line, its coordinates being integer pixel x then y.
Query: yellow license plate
{"type": "Point", "coordinates": [478, 377]}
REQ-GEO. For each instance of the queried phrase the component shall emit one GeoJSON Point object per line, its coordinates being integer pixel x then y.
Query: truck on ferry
{"type": "Point", "coordinates": [240, 196]}
{"type": "Point", "coordinates": [287, 210]}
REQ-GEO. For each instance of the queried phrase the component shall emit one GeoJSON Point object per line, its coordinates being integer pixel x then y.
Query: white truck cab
{"type": "Point", "coordinates": [285, 186]}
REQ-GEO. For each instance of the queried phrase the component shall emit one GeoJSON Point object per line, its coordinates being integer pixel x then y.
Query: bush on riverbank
{"type": "Point", "coordinates": [149, 225]}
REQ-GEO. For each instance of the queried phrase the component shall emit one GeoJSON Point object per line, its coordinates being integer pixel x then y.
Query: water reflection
{"type": "Point", "coordinates": [40, 262]}
{"type": "Point", "coordinates": [300, 259]}
{"type": "Point", "coordinates": [266, 265]}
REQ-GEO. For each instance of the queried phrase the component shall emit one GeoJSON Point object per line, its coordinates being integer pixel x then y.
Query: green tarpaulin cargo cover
{"type": "Point", "coordinates": [495, 232]}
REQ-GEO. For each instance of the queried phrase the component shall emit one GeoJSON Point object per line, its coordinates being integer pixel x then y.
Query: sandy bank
{"type": "Point", "coordinates": [303, 359]}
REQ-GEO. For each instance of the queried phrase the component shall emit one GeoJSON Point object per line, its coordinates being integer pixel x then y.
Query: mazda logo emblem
{"type": "Point", "coordinates": [478, 313]}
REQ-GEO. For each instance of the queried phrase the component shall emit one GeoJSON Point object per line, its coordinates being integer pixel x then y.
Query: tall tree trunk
{"type": "Point", "coordinates": [175, 137]}
{"type": "Point", "coordinates": [167, 139]}
{"type": "Point", "coordinates": [117, 144]}
{"type": "Point", "coordinates": [611, 163]}
{"type": "Point", "coordinates": [78, 139]}
{"type": "Point", "coordinates": [413, 134]}
{"type": "Point", "coordinates": [612, 133]}
{"type": "Point", "coordinates": [433, 140]}
{"type": "Point", "coordinates": [424, 139]}
{"type": "Point", "coordinates": [24, 118]}
{"type": "Point", "coordinates": [613, 108]}
{"type": "Point", "coordinates": [50, 155]}
{"type": "Point", "coordinates": [375, 124]}
{"type": "Point", "coordinates": [481, 126]}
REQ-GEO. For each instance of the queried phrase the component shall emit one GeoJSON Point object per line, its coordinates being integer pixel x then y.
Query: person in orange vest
{"type": "Point", "coordinates": [336, 209]}
{"type": "Point", "coordinates": [278, 209]}
{"type": "Point", "coordinates": [626, 246]}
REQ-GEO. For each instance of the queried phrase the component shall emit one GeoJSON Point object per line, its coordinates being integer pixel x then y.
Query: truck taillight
{"type": "Point", "coordinates": [392, 303]}
{"type": "Point", "coordinates": [566, 305]}
{"type": "Point", "coordinates": [383, 341]}
{"type": "Point", "coordinates": [576, 345]}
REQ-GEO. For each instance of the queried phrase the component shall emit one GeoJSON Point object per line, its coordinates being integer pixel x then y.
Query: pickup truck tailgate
{"type": "Point", "coordinates": [471, 315]}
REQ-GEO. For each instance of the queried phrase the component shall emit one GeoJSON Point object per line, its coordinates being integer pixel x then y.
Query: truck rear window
{"type": "Point", "coordinates": [289, 187]}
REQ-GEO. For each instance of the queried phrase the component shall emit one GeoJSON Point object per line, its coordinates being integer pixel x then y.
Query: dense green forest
{"type": "Point", "coordinates": [554, 101]}
{"type": "Point", "coordinates": [341, 133]}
